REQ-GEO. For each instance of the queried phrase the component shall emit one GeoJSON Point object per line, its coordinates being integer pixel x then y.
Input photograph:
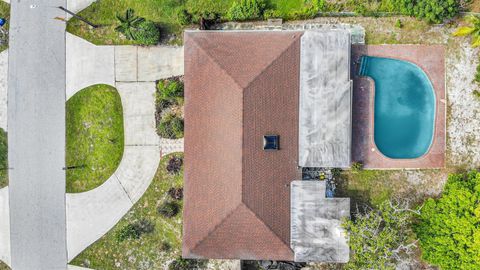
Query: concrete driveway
{"type": "Point", "coordinates": [91, 214]}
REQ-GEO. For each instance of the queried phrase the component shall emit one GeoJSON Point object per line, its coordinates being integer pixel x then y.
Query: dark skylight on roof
{"type": "Point", "coordinates": [271, 142]}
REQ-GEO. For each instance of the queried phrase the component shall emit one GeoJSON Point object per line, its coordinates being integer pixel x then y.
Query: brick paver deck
{"type": "Point", "coordinates": [432, 60]}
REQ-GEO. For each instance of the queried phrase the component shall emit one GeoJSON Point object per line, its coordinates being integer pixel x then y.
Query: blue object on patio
{"type": "Point", "coordinates": [2, 22]}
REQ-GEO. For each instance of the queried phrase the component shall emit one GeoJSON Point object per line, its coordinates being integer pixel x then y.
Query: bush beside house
{"type": "Point", "coordinates": [449, 227]}
{"type": "Point", "coordinates": [169, 103]}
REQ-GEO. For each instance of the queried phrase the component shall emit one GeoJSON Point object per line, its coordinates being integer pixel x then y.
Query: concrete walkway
{"type": "Point", "coordinates": [92, 214]}
{"type": "Point", "coordinates": [72, 5]}
{"type": "Point", "coordinates": [87, 64]}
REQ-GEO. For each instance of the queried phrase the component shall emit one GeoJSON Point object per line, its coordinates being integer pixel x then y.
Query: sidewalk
{"type": "Point", "coordinates": [133, 71]}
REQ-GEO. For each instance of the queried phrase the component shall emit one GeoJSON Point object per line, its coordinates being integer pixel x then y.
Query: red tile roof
{"type": "Point", "coordinates": [239, 86]}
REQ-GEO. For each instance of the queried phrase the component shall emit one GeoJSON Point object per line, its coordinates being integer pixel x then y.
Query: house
{"type": "Point", "coordinates": [259, 105]}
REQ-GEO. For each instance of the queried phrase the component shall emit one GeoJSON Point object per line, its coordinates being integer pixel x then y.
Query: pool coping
{"type": "Point", "coordinates": [431, 59]}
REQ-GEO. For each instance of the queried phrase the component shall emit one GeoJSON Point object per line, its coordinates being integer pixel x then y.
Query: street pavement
{"type": "Point", "coordinates": [36, 135]}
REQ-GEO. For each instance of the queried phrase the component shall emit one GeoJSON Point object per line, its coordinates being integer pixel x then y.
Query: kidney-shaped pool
{"type": "Point", "coordinates": [404, 110]}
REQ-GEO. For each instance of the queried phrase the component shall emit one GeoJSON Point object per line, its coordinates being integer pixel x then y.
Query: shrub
{"type": "Point", "coordinates": [137, 28]}
{"type": "Point", "coordinates": [170, 89]}
{"type": "Point", "coordinates": [126, 232]}
{"type": "Point", "coordinates": [169, 92]}
{"type": "Point", "coordinates": [379, 238]}
{"type": "Point", "coordinates": [147, 33]}
{"type": "Point", "coordinates": [183, 17]}
{"type": "Point", "coordinates": [165, 246]}
{"type": "Point", "coordinates": [476, 94]}
{"type": "Point", "coordinates": [320, 5]}
{"type": "Point", "coordinates": [144, 226]}
{"type": "Point", "coordinates": [357, 166]}
{"type": "Point", "coordinates": [477, 75]}
{"type": "Point", "coordinates": [246, 10]}
{"type": "Point", "coordinates": [176, 193]}
{"type": "Point", "coordinates": [272, 14]}
{"type": "Point", "coordinates": [473, 30]}
{"type": "Point", "coordinates": [3, 158]}
{"type": "Point", "coordinates": [433, 11]}
{"type": "Point", "coordinates": [168, 209]}
{"type": "Point", "coordinates": [436, 11]}
{"type": "Point", "coordinates": [187, 264]}
{"type": "Point", "coordinates": [308, 12]}
{"type": "Point", "coordinates": [128, 23]}
{"type": "Point", "coordinates": [170, 127]}
{"type": "Point", "coordinates": [174, 165]}
{"type": "Point", "coordinates": [449, 227]}
{"type": "Point", "coordinates": [398, 24]}
{"type": "Point", "coordinates": [134, 230]}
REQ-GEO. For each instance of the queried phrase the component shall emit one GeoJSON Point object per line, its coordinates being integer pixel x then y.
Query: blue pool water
{"type": "Point", "coordinates": [404, 107]}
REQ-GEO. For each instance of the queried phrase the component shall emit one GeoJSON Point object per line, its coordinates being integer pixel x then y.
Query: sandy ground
{"type": "Point", "coordinates": [464, 108]}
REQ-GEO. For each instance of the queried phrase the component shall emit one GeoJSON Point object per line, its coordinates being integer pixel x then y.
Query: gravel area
{"type": "Point", "coordinates": [463, 120]}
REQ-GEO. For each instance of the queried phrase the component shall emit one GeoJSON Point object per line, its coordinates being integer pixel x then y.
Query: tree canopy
{"type": "Point", "coordinates": [449, 227]}
{"type": "Point", "coordinates": [379, 239]}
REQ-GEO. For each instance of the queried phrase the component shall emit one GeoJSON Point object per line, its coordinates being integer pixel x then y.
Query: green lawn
{"type": "Point", "coordinates": [367, 186]}
{"type": "Point", "coordinates": [149, 251]}
{"type": "Point", "coordinates": [95, 137]}
{"type": "Point", "coordinates": [163, 12]}
{"type": "Point", "coordinates": [285, 7]}
{"type": "Point", "coordinates": [3, 159]}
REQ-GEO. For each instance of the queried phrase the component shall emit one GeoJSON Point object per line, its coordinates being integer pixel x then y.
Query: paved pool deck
{"type": "Point", "coordinates": [431, 58]}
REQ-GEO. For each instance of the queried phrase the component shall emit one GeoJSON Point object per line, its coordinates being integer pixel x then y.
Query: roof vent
{"type": "Point", "coordinates": [271, 142]}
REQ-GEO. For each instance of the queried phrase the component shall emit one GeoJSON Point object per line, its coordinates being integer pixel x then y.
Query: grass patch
{"type": "Point", "coordinates": [151, 250]}
{"type": "Point", "coordinates": [163, 12]}
{"type": "Point", "coordinates": [95, 139]}
{"type": "Point", "coordinates": [286, 7]}
{"type": "Point", "coordinates": [3, 159]}
{"type": "Point", "coordinates": [370, 187]}
{"type": "Point", "coordinates": [4, 13]}
{"type": "Point", "coordinates": [3, 266]}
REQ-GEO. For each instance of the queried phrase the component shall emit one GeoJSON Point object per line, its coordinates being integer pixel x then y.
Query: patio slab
{"type": "Point", "coordinates": [126, 63]}
{"type": "Point", "coordinates": [139, 112]}
{"type": "Point", "coordinates": [159, 62]}
{"type": "Point", "coordinates": [431, 58]}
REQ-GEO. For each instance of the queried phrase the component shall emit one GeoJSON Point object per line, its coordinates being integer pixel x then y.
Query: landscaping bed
{"type": "Point", "coordinates": [3, 159]}
{"type": "Point", "coordinates": [149, 236]}
{"type": "Point", "coordinates": [95, 138]}
{"type": "Point", "coordinates": [169, 108]}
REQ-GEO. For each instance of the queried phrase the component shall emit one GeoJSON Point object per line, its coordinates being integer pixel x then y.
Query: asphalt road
{"type": "Point", "coordinates": [36, 125]}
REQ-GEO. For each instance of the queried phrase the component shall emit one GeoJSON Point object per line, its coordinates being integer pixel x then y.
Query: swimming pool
{"type": "Point", "coordinates": [404, 109]}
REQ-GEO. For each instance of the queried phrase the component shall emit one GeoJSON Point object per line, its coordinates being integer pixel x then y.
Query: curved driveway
{"type": "Point", "coordinates": [92, 214]}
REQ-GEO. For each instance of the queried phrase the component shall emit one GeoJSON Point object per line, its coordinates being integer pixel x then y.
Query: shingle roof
{"type": "Point", "coordinates": [240, 86]}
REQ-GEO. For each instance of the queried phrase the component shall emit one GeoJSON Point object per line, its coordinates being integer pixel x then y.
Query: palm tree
{"type": "Point", "coordinates": [472, 30]}
{"type": "Point", "coordinates": [129, 23]}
